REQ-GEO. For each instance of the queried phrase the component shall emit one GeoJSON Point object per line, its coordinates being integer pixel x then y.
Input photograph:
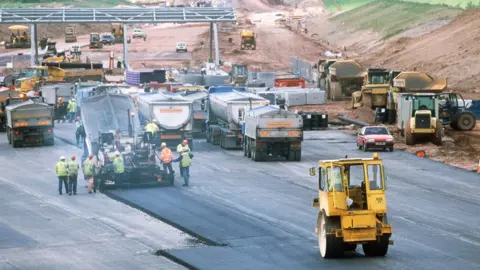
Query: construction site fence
{"type": "Point", "coordinates": [198, 79]}
{"type": "Point", "coordinates": [302, 68]}
{"type": "Point", "coordinates": [262, 77]}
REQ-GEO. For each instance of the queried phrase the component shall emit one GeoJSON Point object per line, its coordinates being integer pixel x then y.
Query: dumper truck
{"type": "Point", "coordinates": [70, 34]}
{"type": "Point", "coordinates": [199, 115]}
{"type": "Point", "coordinates": [248, 40]}
{"type": "Point", "coordinates": [4, 96]}
{"type": "Point", "coordinates": [30, 122]}
{"type": "Point", "coordinates": [173, 113]}
{"type": "Point", "coordinates": [376, 84]}
{"type": "Point", "coordinates": [272, 132]}
{"type": "Point", "coordinates": [322, 71]}
{"type": "Point", "coordinates": [226, 106]}
{"type": "Point", "coordinates": [344, 78]}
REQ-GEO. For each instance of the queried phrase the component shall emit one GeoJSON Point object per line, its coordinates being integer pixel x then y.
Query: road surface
{"type": "Point", "coordinates": [262, 211]}
{"type": "Point", "coordinates": [40, 229]}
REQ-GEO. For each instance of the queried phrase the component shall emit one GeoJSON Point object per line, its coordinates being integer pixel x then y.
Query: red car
{"type": "Point", "coordinates": [374, 137]}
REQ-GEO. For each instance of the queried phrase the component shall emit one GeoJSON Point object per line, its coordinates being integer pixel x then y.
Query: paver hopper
{"type": "Point", "coordinates": [344, 78]}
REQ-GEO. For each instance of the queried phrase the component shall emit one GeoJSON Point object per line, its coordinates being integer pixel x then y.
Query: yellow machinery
{"type": "Point", "coordinates": [70, 34]}
{"type": "Point", "coordinates": [35, 77]}
{"type": "Point", "coordinates": [376, 84]}
{"type": "Point", "coordinates": [18, 40]}
{"type": "Point", "coordinates": [352, 207]}
{"type": "Point", "coordinates": [344, 78]}
{"type": "Point", "coordinates": [95, 42]}
{"type": "Point", "coordinates": [118, 33]}
{"type": "Point", "coordinates": [248, 40]}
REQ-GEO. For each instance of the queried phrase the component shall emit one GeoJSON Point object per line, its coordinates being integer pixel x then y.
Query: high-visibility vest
{"type": "Point", "coordinates": [118, 166]}
{"type": "Point", "coordinates": [61, 168]}
{"type": "Point", "coordinates": [166, 155]}
{"type": "Point", "coordinates": [73, 107]}
{"type": "Point", "coordinates": [186, 160]}
{"type": "Point", "coordinates": [151, 128]}
{"type": "Point", "coordinates": [180, 148]}
{"type": "Point", "coordinates": [72, 168]}
{"type": "Point", "coordinates": [88, 168]}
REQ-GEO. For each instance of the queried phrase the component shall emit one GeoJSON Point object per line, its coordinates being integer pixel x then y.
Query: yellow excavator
{"type": "Point", "coordinates": [18, 40]}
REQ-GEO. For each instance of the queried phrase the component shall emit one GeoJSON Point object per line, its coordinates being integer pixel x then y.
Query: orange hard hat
{"type": "Point", "coordinates": [90, 157]}
{"type": "Point", "coordinates": [73, 157]}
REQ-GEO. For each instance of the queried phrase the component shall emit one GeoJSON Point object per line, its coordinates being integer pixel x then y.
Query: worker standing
{"type": "Point", "coordinates": [61, 168]}
{"type": "Point", "coordinates": [151, 130]}
{"type": "Point", "coordinates": [88, 172]}
{"type": "Point", "coordinates": [179, 151]}
{"type": "Point", "coordinates": [118, 167]}
{"type": "Point", "coordinates": [185, 160]}
{"type": "Point", "coordinates": [72, 176]}
{"type": "Point", "coordinates": [72, 110]}
{"type": "Point", "coordinates": [166, 157]}
{"type": "Point", "coordinates": [80, 132]}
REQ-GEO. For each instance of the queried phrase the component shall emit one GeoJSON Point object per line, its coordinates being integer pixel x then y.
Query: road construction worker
{"type": "Point", "coordinates": [61, 168]}
{"type": "Point", "coordinates": [185, 160]}
{"type": "Point", "coordinates": [180, 147]}
{"type": "Point", "coordinates": [72, 110]}
{"type": "Point", "coordinates": [88, 172]}
{"type": "Point", "coordinates": [72, 176]}
{"type": "Point", "coordinates": [151, 130]}
{"type": "Point", "coordinates": [118, 167]}
{"type": "Point", "coordinates": [166, 157]}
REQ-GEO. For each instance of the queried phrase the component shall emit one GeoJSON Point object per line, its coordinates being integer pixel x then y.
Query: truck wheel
{"type": "Point", "coordinates": [466, 122]}
{"type": "Point", "coordinates": [15, 144]}
{"type": "Point", "coordinates": [409, 136]}
{"type": "Point", "coordinates": [329, 246]}
{"type": "Point", "coordinates": [378, 248]}
{"type": "Point", "coordinates": [244, 146]}
{"type": "Point", "coordinates": [249, 146]}
{"type": "Point", "coordinates": [349, 247]}
{"type": "Point", "coordinates": [298, 155]}
{"type": "Point", "coordinates": [50, 142]}
{"type": "Point", "coordinates": [291, 155]}
{"type": "Point", "coordinates": [437, 136]}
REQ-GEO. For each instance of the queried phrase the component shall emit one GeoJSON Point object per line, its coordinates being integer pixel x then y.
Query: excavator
{"type": "Point", "coordinates": [118, 33]}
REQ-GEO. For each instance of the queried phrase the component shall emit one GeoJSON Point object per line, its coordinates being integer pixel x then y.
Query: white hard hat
{"type": "Point", "coordinates": [154, 121]}
{"type": "Point", "coordinates": [117, 153]}
{"type": "Point", "coordinates": [62, 158]}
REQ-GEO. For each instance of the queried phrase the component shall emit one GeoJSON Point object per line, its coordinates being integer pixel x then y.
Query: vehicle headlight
{"type": "Point", "coordinates": [389, 140]}
{"type": "Point", "coordinates": [370, 140]}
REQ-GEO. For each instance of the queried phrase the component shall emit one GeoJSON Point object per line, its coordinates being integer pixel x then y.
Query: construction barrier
{"type": "Point", "coordinates": [302, 68]}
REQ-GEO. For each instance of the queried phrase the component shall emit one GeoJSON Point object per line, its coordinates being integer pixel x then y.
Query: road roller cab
{"type": "Point", "coordinates": [352, 206]}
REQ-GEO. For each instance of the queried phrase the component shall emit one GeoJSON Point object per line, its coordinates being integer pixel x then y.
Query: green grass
{"type": "Point", "coordinates": [76, 3]}
{"type": "Point", "coordinates": [389, 17]}
{"type": "Point", "coordinates": [351, 4]}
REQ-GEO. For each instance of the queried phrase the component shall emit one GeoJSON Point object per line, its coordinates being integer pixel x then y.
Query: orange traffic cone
{"type": "Point", "coordinates": [478, 167]}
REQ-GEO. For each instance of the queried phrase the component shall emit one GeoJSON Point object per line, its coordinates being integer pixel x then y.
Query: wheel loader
{"type": "Point", "coordinates": [344, 78]}
{"type": "Point", "coordinates": [418, 117]}
{"type": "Point", "coordinates": [352, 207]}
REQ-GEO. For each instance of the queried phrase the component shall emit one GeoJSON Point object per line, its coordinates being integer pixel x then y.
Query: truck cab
{"type": "Point", "coordinates": [239, 74]}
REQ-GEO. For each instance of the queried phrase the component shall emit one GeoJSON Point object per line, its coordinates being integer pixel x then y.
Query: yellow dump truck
{"type": "Point", "coordinates": [344, 78]}
{"type": "Point", "coordinates": [376, 84]}
{"type": "Point", "coordinates": [248, 40]}
{"type": "Point", "coordinates": [352, 207]}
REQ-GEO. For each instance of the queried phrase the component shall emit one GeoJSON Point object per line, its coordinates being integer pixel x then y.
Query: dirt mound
{"type": "Point", "coordinates": [452, 51]}
{"type": "Point", "coordinates": [363, 114]}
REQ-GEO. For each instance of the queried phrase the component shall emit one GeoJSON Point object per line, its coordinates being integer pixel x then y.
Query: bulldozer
{"type": "Point", "coordinates": [248, 40]}
{"type": "Point", "coordinates": [95, 42]}
{"type": "Point", "coordinates": [419, 117]}
{"type": "Point", "coordinates": [18, 40]}
{"type": "Point", "coordinates": [118, 33]}
{"type": "Point", "coordinates": [376, 84]}
{"type": "Point", "coordinates": [70, 34]}
{"type": "Point", "coordinates": [54, 73]}
{"type": "Point", "coordinates": [344, 78]}
{"type": "Point", "coordinates": [352, 207]}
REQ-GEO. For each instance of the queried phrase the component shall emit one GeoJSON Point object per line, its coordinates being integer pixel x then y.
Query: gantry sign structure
{"type": "Point", "coordinates": [34, 16]}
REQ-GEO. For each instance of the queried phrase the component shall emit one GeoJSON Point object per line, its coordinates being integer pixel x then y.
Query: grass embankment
{"type": "Point", "coordinates": [390, 18]}
{"type": "Point", "coordinates": [76, 3]}
{"type": "Point", "coordinates": [343, 5]}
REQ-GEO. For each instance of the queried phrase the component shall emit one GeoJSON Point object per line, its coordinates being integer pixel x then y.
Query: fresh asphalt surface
{"type": "Point", "coordinates": [260, 214]}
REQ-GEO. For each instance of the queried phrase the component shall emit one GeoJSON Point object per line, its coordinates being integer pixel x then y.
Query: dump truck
{"type": "Point", "coordinates": [95, 42]}
{"type": "Point", "coordinates": [344, 78]}
{"type": "Point", "coordinates": [70, 34]}
{"type": "Point", "coordinates": [54, 73]}
{"type": "Point", "coordinates": [58, 95]}
{"type": "Point", "coordinates": [352, 207]}
{"type": "Point", "coordinates": [323, 71]}
{"type": "Point", "coordinates": [411, 82]}
{"type": "Point", "coordinates": [18, 40]}
{"type": "Point", "coordinates": [6, 94]}
{"type": "Point", "coordinates": [269, 131]}
{"type": "Point", "coordinates": [419, 117]}
{"type": "Point", "coordinates": [174, 115]}
{"type": "Point", "coordinates": [376, 84]}
{"type": "Point", "coordinates": [248, 40]}
{"type": "Point", "coordinates": [199, 114]}
{"type": "Point", "coordinates": [30, 122]}
{"type": "Point", "coordinates": [226, 106]}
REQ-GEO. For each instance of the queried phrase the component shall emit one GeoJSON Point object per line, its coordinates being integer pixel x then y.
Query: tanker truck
{"type": "Point", "coordinates": [225, 114]}
{"type": "Point", "coordinates": [272, 132]}
{"type": "Point", "coordinates": [30, 122]}
{"type": "Point", "coordinates": [174, 115]}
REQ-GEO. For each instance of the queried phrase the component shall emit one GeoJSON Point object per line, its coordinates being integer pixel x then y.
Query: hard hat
{"type": "Point", "coordinates": [164, 144]}
{"type": "Point", "coordinates": [91, 156]}
{"type": "Point", "coordinates": [185, 142]}
{"type": "Point", "coordinates": [117, 153]}
{"type": "Point", "coordinates": [154, 121]}
{"type": "Point", "coordinates": [62, 158]}
{"type": "Point", "coordinates": [73, 157]}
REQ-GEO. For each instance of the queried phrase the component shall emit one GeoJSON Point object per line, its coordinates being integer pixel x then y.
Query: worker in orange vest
{"type": "Point", "coordinates": [166, 157]}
